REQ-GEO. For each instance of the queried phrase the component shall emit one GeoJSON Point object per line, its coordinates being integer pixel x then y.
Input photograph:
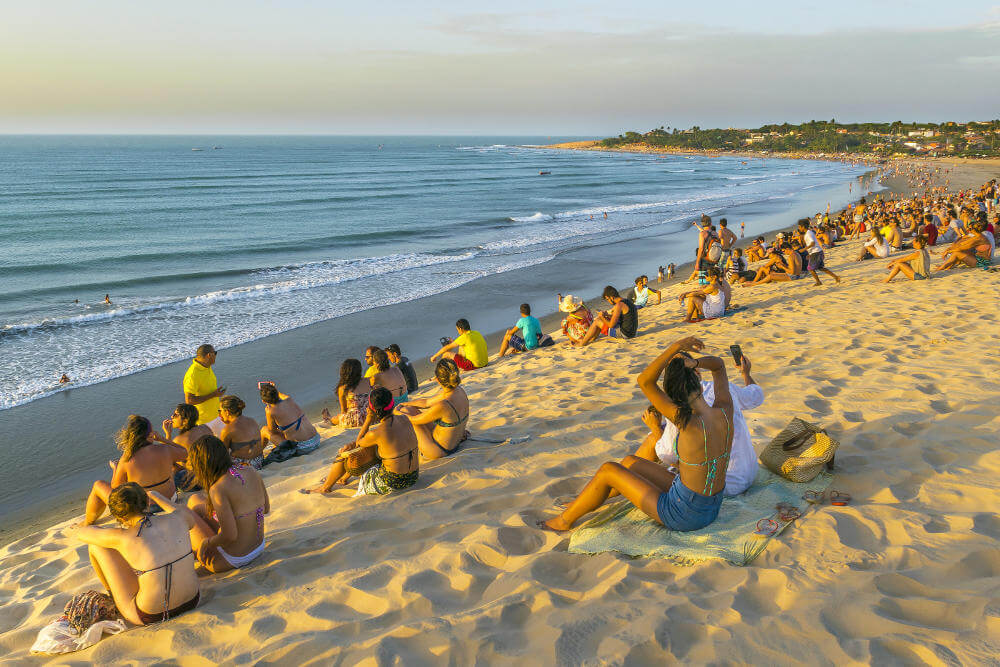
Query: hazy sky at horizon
{"type": "Point", "coordinates": [563, 68]}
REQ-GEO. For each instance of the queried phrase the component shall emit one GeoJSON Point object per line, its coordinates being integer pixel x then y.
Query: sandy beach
{"type": "Point", "coordinates": [453, 571]}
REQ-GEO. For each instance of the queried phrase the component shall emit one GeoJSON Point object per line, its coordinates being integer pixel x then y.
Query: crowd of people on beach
{"type": "Point", "coordinates": [698, 449]}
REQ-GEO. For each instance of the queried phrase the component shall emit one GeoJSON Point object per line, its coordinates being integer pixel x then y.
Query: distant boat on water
{"type": "Point", "coordinates": [544, 173]}
{"type": "Point", "coordinates": [197, 149]}
{"type": "Point", "coordinates": [216, 148]}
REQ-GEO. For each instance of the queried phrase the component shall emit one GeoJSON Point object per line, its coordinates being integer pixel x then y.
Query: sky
{"type": "Point", "coordinates": [474, 67]}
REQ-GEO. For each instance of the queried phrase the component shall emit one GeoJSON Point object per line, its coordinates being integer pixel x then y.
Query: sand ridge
{"type": "Point", "coordinates": [451, 572]}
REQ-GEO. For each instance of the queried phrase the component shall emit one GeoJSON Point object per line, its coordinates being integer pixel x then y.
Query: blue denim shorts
{"type": "Point", "coordinates": [682, 509]}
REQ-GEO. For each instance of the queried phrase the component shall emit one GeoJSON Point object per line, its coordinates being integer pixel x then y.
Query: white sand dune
{"type": "Point", "coordinates": [905, 376]}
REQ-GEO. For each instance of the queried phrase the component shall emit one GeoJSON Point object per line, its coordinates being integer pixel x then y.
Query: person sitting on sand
{"type": "Point", "coordinates": [578, 318]}
{"type": "Point", "coordinates": [440, 421]}
{"type": "Point", "coordinates": [525, 335]}
{"type": "Point", "coordinates": [622, 321]}
{"type": "Point", "coordinates": [182, 428]}
{"type": "Point", "coordinates": [642, 290]}
{"type": "Point", "coordinates": [229, 513]}
{"type": "Point", "coordinates": [738, 271]}
{"type": "Point", "coordinates": [874, 247]}
{"type": "Point", "coordinates": [972, 250]}
{"type": "Point", "coordinates": [241, 434]}
{"type": "Point", "coordinates": [790, 265]}
{"type": "Point", "coordinates": [708, 302]}
{"type": "Point", "coordinates": [470, 345]}
{"type": "Point", "coordinates": [389, 376]}
{"type": "Point", "coordinates": [756, 250]}
{"type": "Point", "coordinates": [281, 409]}
{"type": "Point", "coordinates": [145, 562]}
{"type": "Point", "coordinates": [915, 266]}
{"type": "Point", "coordinates": [691, 499]}
{"type": "Point", "coordinates": [930, 230]}
{"type": "Point", "coordinates": [352, 395]}
{"type": "Point", "coordinates": [404, 365]}
{"type": "Point", "coordinates": [147, 459]}
{"type": "Point", "coordinates": [392, 440]}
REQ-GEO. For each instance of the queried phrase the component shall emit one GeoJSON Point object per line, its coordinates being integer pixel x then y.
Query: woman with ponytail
{"type": "Point", "coordinates": [439, 421]}
{"type": "Point", "coordinates": [147, 459]}
{"type": "Point", "coordinates": [690, 499]}
{"type": "Point", "coordinates": [391, 439]}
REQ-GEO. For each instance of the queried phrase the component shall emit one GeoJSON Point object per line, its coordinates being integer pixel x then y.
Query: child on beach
{"type": "Point", "coordinates": [470, 345]}
{"type": "Point", "coordinates": [642, 290]}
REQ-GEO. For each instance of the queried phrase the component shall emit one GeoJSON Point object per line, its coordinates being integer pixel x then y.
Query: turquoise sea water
{"type": "Point", "coordinates": [251, 236]}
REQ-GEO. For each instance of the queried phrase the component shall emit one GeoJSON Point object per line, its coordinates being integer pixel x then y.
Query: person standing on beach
{"type": "Point", "coordinates": [815, 259]}
{"type": "Point", "coordinates": [743, 229]}
{"type": "Point", "coordinates": [726, 240]}
{"type": "Point", "coordinates": [202, 390]}
{"type": "Point", "coordinates": [470, 345]}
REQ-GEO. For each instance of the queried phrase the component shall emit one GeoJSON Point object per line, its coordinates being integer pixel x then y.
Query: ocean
{"type": "Point", "coordinates": [290, 254]}
{"type": "Point", "coordinates": [233, 239]}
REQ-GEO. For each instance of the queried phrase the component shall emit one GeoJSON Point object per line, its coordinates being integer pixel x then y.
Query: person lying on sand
{"type": "Point", "coordinates": [440, 421]}
{"type": "Point", "coordinates": [352, 395]}
{"type": "Point", "coordinates": [705, 303]}
{"type": "Point", "coordinates": [241, 435]}
{"type": "Point", "coordinates": [281, 409]}
{"type": "Point", "coordinates": [578, 318]}
{"type": "Point", "coordinates": [691, 499]}
{"type": "Point", "coordinates": [147, 460]}
{"type": "Point", "coordinates": [915, 266]}
{"type": "Point", "coordinates": [622, 321]}
{"type": "Point", "coordinates": [388, 376]}
{"type": "Point", "coordinates": [390, 441]}
{"type": "Point", "coordinates": [145, 562]}
{"type": "Point", "coordinates": [229, 522]}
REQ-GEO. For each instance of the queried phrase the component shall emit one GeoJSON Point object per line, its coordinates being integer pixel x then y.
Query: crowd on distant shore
{"type": "Point", "coordinates": [211, 451]}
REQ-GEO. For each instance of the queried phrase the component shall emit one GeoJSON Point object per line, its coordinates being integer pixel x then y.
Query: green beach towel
{"type": "Point", "coordinates": [623, 528]}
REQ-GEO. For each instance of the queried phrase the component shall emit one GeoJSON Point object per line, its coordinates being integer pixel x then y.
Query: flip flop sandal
{"type": "Point", "coordinates": [839, 498]}
{"type": "Point", "coordinates": [813, 497]}
{"type": "Point", "coordinates": [788, 513]}
{"type": "Point", "coordinates": [766, 528]}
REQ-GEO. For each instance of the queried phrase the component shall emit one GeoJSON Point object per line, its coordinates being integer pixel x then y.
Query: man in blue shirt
{"type": "Point", "coordinates": [526, 334]}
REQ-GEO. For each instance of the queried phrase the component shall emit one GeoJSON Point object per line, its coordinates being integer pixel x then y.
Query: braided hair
{"type": "Point", "coordinates": [679, 382]}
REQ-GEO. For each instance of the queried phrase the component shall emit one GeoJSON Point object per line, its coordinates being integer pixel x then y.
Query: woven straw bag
{"type": "Point", "coordinates": [799, 452]}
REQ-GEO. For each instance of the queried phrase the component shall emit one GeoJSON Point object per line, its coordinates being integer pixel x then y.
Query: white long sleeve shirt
{"type": "Point", "coordinates": [742, 468]}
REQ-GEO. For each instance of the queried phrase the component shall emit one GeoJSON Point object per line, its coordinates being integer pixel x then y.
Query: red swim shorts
{"type": "Point", "coordinates": [464, 363]}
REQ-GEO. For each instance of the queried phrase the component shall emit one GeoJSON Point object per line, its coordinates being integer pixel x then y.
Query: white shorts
{"type": "Point", "coordinates": [240, 561]}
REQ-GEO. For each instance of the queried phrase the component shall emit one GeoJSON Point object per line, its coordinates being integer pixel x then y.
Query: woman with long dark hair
{"type": "Point", "coordinates": [691, 499]}
{"type": "Point", "coordinates": [392, 448]}
{"type": "Point", "coordinates": [352, 396]}
{"type": "Point", "coordinates": [229, 530]}
{"type": "Point", "coordinates": [440, 421]}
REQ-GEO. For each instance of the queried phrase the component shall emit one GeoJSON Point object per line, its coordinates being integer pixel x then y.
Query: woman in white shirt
{"type": "Point", "coordinates": [876, 246]}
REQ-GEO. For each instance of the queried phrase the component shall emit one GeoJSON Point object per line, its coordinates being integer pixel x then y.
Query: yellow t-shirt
{"type": "Point", "coordinates": [473, 347]}
{"type": "Point", "coordinates": [200, 380]}
{"type": "Point", "coordinates": [370, 372]}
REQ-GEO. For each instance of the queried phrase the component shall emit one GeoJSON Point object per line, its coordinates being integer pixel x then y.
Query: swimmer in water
{"type": "Point", "coordinates": [107, 299]}
{"type": "Point", "coordinates": [64, 379]}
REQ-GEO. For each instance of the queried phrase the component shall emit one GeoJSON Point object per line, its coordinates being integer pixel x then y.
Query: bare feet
{"type": "Point", "coordinates": [555, 524]}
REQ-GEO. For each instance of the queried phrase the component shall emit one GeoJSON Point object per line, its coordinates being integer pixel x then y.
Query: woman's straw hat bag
{"type": "Point", "coordinates": [800, 452]}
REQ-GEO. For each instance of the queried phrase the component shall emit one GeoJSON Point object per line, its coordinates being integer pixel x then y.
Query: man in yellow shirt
{"type": "Point", "coordinates": [471, 348]}
{"type": "Point", "coordinates": [371, 371]}
{"type": "Point", "coordinates": [202, 390]}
